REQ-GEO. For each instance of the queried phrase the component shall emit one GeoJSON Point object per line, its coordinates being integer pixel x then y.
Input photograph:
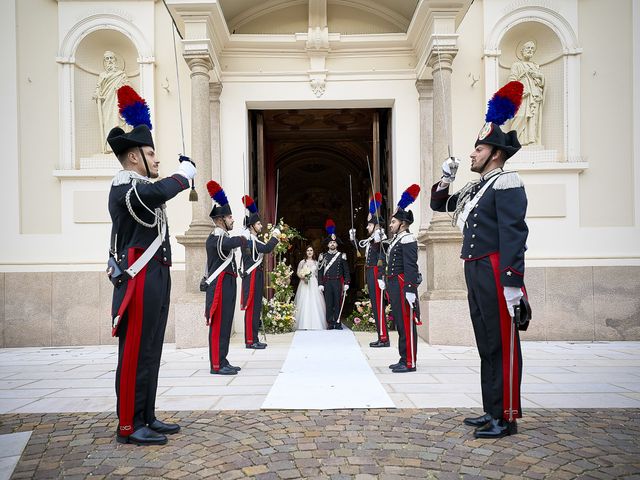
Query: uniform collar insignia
{"type": "Point", "coordinates": [492, 173]}
{"type": "Point", "coordinates": [220, 232]}
{"type": "Point", "coordinates": [124, 177]}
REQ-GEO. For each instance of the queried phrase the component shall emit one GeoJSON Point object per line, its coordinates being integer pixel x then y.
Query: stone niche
{"type": "Point", "coordinates": [549, 57]}
{"type": "Point", "coordinates": [89, 64]}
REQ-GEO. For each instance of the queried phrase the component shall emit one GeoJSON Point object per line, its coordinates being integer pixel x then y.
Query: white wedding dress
{"type": "Point", "coordinates": [310, 308]}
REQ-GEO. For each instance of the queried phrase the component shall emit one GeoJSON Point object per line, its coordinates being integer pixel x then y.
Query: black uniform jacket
{"type": "Point", "coordinates": [214, 260]}
{"type": "Point", "coordinates": [339, 268]}
{"type": "Point", "coordinates": [374, 256]}
{"type": "Point", "coordinates": [127, 232]}
{"type": "Point", "coordinates": [402, 258]}
{"type": "Point", "coordinates": [495, 225]}
{"type": "Point", "coordinates": [260, 247]}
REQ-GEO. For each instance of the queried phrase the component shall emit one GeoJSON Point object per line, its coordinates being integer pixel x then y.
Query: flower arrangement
{"type": "Point", "coordinates": [280, 281]}
{"type": "Point", "coordinates": [362, 318]}
{"type": "Point", "coordinates": [278, 317]}
{"type": "Point", "coordinates": [278, 314]}
{"type": "Point", "coordinates": [287, 236]}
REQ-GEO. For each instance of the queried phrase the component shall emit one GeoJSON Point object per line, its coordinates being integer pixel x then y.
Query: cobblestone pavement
{"type": "Point", "coordinates": [336, 444]}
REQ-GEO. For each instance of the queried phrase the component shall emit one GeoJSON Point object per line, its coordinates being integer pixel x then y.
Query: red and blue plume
{"type": "Point", "coordinates": [409, 196]}
{"type": "Point", "coordinates": [330, 226]}
{"type": "Point", "coordinates": [249, 204]}
{"type": "Point", "coordinates": [505, 103]}
{"type": "Point", "coordinates": [375, 202]}
{"type": "Point", "coordinates": [217, 193]}
{"type": "Point", "coordinates": [133, 108]}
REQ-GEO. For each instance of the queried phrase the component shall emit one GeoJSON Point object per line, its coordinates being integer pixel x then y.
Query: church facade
{"type": "Point", "coordinates": [293, 102]}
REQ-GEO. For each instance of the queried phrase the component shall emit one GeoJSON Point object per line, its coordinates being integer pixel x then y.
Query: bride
{"type": "Point", "coordinates": [310, 309]}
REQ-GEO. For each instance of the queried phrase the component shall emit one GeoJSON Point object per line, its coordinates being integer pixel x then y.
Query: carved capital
{"type": "Point", "coordinates": [215, 89]}
{"type": "Point", "coordinates": [199, 64]}
{"type": "Point", "coordinates": [441, 60]}
{"type": "Point", "coordinates": [425, 89]}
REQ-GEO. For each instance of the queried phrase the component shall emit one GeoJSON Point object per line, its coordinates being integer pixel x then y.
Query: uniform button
{"type": "Point", "coordinates": [475, 215]}
{"type": "Point", "coordinates": [164, 258]}
{"type": "Point", "coordinates": [472, 245]}
{"type": "Point", "coordinates": [164, 249]}
{"type": "Point", "coordinates": [475, 225]}
{"type": "Point", "coordinates": [473, 236]}
{"type": "Point", "coordinates": [469, 256]}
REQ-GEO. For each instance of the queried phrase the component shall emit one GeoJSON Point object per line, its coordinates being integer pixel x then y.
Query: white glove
{"type": "Point", "coordinates": [352, 234]}
{"type": "Point", "coordinates": [345, 287]}
{"type": "Point", "coordinates": [381, 284]}
{"type": "Point", "coordinates": [411, 297]}
{"type": "Point", "coordinates": [376, 235]}
{"type": "Point", "coordinates": [321, 287]}
{"type": "Point", "coordinates": [449, 169]}
{"type": "Point", "coordinates": [187, 170]}
{"type": "Point", "coordinates": [512, 295]}
{"type": "Point", "coordinates": [275, 232]}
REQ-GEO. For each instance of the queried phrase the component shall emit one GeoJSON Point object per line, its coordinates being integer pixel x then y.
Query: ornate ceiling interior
{"type": "Point", "coordinates": [343, 16]}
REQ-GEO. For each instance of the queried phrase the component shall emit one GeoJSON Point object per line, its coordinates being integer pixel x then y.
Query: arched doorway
{"type": "Point", "coordinates": [314, 155]}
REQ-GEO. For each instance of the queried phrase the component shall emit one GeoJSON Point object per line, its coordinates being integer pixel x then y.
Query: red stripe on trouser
{"type": "Point", "coordinates": [215, 320]}
{"type": "Point", "coordinates": [505, 332]}
{"type": "Point", "coordinates": [408, 323]}
{"type": "Point", "coordinates": [382, 322]}
{"type": "Point", "coordinates": [129, 362]}
{"type": "Point", "coordinates": [248, 313]}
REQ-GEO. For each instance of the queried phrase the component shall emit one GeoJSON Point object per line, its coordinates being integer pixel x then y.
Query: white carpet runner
{"type": "Point", "coordinates": [325, 369]}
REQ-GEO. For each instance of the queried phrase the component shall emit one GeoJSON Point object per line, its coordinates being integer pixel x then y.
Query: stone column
{"type": "Point", "coordinates": [189, 310]}
{"type": "Point", "coordinates": [215, 89]}
{"type": "Point", "coordinates": [444, 305]}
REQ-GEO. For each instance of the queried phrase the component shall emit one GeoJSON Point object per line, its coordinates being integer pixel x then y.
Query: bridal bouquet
{"type": "Point", "coordinates": [305, 274]}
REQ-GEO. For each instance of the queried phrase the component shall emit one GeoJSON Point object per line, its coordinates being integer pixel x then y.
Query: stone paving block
{"type": "Point", "coordinates": [407, 443]}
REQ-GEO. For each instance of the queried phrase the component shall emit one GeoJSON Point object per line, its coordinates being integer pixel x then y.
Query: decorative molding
{"type": "Point", "coordinates": [523, 11]}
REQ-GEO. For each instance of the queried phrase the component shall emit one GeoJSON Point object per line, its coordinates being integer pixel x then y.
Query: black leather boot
{"type": "Point", "coordinates": [496, 428]}
{"type": "Point", "coordinates": [143, 436]}
{"type": "Point", "coordinates": [477, 421]}
{"type": "Point", "coordinates": [226, 370]}
{"type": "Point", "coordinates": [379, 344]}
{"type": "Point", "coordinates": [338, 326]}
{"type": "Point", "coordinates": [237, 369]}
{"type": "Point", "coordinates": [257, 346]}
{"type": "Point", "coordinates": [395, 365]}
{"type": "Point", "coordinates": [166, 428]}
{"type": "Point", "coordinates": [402, 368]}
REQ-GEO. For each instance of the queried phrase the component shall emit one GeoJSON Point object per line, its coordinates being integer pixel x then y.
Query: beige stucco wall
{"type": "Point", "coordinates": [38, 115]}
{"type": "Point", "coordinates": [167, 135]}
{"type": "Point", "coordinates": [467, 102]}
{"type": "Point", "coordinates": [606, 113]}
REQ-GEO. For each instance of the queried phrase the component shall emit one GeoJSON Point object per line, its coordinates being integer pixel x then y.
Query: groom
{"type": "Point", "coordinates": [333, 275]}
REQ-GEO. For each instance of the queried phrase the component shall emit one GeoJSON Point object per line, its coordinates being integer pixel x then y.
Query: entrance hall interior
{"type": "Point", "coordinates": [312, 155]}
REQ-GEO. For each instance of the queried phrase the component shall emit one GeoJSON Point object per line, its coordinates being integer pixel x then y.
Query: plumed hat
{"type": "Point", "coordinates": [375, 217]}
{"type": "Point", "coordinates": [330, 228]}
{"type": "Point", "coordinates": [408, 197]}
{"type": "Point", "coordinates": [135, 111]}
{"type": "Point", "coordinates": [503, 106]}
{"type": "Point", "coordinates": [220, 202]}
{"type": "Point", "coordinates": [252, 217]}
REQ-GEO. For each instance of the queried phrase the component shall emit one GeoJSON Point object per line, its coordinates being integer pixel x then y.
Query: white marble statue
{"type": "Point", "coordinates": [106, 97]}
{"type": "Point", "coordinates": [528, 120]}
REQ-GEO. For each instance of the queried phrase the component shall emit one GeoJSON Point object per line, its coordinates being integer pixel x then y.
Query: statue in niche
{"type": "Point", "coordinates": [528, 120]}
{"type": "Point", "coordinates": [106, 96]}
